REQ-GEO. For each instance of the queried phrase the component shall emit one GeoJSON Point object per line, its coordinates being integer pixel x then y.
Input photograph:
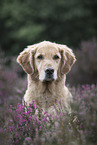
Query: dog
{"type": "Point", "coordinates": [46, 65]}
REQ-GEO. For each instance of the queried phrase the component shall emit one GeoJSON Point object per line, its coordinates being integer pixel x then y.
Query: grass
{"type": "Point", "coordinates": [26, 128]}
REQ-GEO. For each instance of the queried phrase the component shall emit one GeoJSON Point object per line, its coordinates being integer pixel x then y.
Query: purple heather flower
{"type": "Point", "coordinates": [61, 114]}
{"type": "Point", "coordinates": [44, 119]}
{"type": "Point", "coordinates": [80, 126]}
{"type": "Point", "coordinates": [37, 107]}
{"type": "Point", "coordinates": [34, 105]}
{"type": "Point", "coordinates": [29, 118]}
{"type": "Point", "coordinates": [83, 87]}
{"type": "Point", "coordinates": [1, 130]}
{"type": "Point", "coordinates": [19, 91]}
{"type": "Point", "coordinates": [10, 106]}
{"type": "Point", "coordinates": [28, 139]}
{"type": "Point", "coordinates": [40, 127]}
{"type": "Point", "coordinates": [11, 98]}
{"type": "Point", "coordinates": [17, 126]}
{"type": "Point", "coordinates": [11, 128]}
{"type": "Point", "coordinates": [58, 102]}
{"type": "Point", "coordinates": [56, 124]}
{"type": "Point", "coordinates": [10, 110]}
{"type": "Point", "coordinates": [54, 107]}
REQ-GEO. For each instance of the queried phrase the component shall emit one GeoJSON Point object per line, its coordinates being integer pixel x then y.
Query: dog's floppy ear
{"type": "Point", "coordinates": [68, 59]}
{"type": "Point", "coordinates": [26, 58]}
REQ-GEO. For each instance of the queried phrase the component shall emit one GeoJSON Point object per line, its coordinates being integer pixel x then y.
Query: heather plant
{"type": "Point", "coordinates": [12, 86]}
{"type": "Point", "coordinates": [85, 69]}
{"type": "Point", "coordinates": [31, 126]}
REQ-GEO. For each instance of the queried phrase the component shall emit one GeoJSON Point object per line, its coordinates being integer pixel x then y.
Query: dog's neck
{"type": "Point", "coordinates": [45, 94]}
{"type": "Point", "coordinates": [46, 86]}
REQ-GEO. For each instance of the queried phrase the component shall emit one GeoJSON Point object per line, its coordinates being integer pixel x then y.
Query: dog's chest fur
{"type": "Point", "coordinates": [44, 94]}
{"type": "Point", "coordinates": [47, 98]}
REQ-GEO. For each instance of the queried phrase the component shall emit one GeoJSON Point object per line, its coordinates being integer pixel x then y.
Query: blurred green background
{"type": "Point", "coordinates": [24, 22]}
{"type": "Point", "coordinates": [69, 22]}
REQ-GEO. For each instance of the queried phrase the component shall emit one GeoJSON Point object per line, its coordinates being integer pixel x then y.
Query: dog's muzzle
{"type": "Point", "coordinates": [49, 74]}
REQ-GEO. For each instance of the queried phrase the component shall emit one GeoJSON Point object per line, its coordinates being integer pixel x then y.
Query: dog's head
{"type": "Point", "coordinates": [46, 61]}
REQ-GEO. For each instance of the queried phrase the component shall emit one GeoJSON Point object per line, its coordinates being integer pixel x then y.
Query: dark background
{"type": "Point", "coordinates": [69, 22]}
{"type": "Point", "coordinates": [24, 22]}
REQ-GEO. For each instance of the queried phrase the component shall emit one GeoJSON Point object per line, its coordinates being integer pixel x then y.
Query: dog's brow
{"type": "Point", "coordinates": [37, 54]}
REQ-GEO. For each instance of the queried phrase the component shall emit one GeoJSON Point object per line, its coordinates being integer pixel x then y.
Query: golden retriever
{"type": "Point", "coordinates": [46, 65]}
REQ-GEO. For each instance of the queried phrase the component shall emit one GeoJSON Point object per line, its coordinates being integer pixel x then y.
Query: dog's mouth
{"type": "Point", "coordinates": [49, 78]}
{"type": "Point", "coordinates": [49, 74]}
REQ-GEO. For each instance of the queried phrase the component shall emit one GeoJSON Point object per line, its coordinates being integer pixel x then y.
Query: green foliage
{"type": "Point", "coordinates": [26, 22]}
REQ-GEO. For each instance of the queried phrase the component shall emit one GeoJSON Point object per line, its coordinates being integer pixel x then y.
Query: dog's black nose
{"type": "Point", "coordinates": [49, 71]}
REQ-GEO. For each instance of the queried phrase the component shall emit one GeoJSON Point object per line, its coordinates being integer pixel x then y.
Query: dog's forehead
{"type": "Point", "coordinates": [47, 48]}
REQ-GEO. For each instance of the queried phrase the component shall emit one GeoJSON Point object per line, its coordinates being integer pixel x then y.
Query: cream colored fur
{"type": "Point", "coordinates": [47, 93]}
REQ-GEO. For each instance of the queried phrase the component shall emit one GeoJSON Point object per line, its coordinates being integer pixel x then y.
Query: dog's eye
{"type": "Point", "coordinates": [56, 57]}
{"type": "Point", "coordinates": [40, 57]}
